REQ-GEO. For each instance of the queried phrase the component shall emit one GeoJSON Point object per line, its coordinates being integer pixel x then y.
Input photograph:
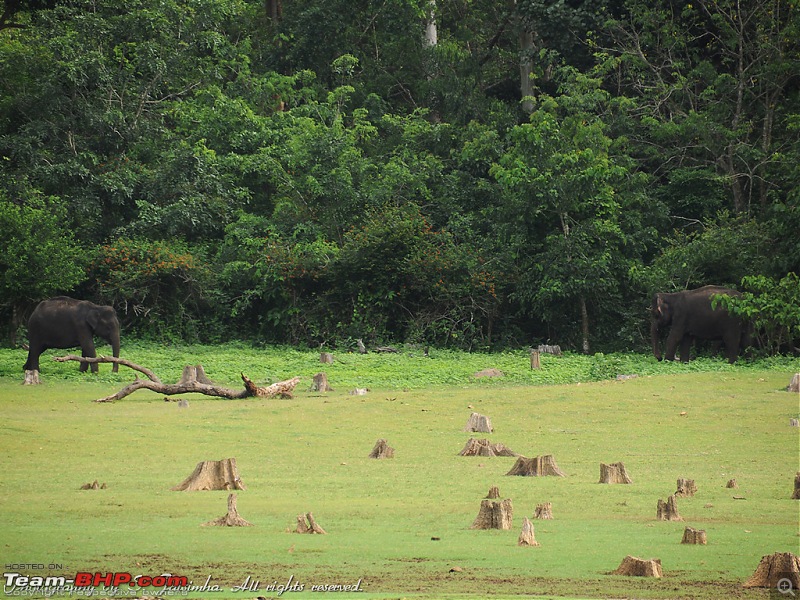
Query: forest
{"type": "Point", "coordinates": [470, 174]}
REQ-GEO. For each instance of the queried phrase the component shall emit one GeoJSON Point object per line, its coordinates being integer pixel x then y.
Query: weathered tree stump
{"type": "Point", "coordinates": [796, 494]}
{"type": "Point", "coordinates": [547, 349]}
{"type": "Point", "coordinates": [544, 511]}
{"type": "Point", "coordinates": [526, 536]}
{"type": "Point", "coordinates": [686, 488]}
{"type": "Point", "coordinates": [484, 447]}
{"type": "Point", "coordinates": [694, 536]}
{"type": "Point", "coordinates": [212, 475]}
{"type": "Point", "coordinates": [319, 383]}
{"type": "Point", "coordinates": [231, 518]}
{"type": "Point", "coordinates": [494, 515]}
{"type": "Point", "coordinates": [362, 349]}
{"type": "Point", "coordinates": [494, 492]}
{"type": "Point", "coordinates": [382, 450]}
{"type": "Point", "coordinates": [794, 386]}
{"type": "Point", "coordinates": [773, 568]}
{"type": "Point", "coordinates": [194, 374]}
{"type": "Point", "coordinates": [668, 511]}
{"type": "Point", "coordinates": [32, 378]}
{"type": "Point", "coordinates": [539, 466]}
{"type": "Point", "coordinates": [478, 423]}
{"type": "Point", "coordinates": [535, 360]}
{"type": "Point", "coordinates": [326, 358]}
{"type": "Point", "coordinates": [732, 484]}
{"type": "Point", "coordinates": [614, 473]}
{"type": "Point", "coordinates": [307, 524]}
{"type": "Point", "coordinates": [637, 567]}
{"type": "Point", "coordinates": [93, 486]}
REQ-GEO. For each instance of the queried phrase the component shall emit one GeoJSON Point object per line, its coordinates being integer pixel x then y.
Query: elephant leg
{"type": "Point", "coordinates": [673, 338]}
{"type": "Point", "coordinates": [686, 345]}
{"type": "Point", "coordinates": [731, 341]}
{"type": "Point", "coordinates": [34, 351]}
{"type": "Point", "coordinates": [88, 351]}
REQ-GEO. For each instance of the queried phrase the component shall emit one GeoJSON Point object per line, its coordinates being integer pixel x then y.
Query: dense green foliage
{"type": "Point", "coordinates": [313, 172]}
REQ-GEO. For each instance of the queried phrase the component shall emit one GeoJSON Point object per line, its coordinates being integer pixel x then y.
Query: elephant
{"type": "Point", "coordinates": [64, 322]}
{"type": "Point", "coordinates": [691, 316]}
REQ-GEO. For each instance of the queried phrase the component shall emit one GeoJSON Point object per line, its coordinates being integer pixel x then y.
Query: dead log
{"type": "Point", "coordinates": [231, 519]}
{"type": "Point", "coordinates": [307, 524]}
{"type": "Point", "coordinates": [382, 450]}
{"type": "Point", "coordinates": [637, 567]}
{"type": "Point", "coordinates": [694, 536]}
{"type": "Point", "coordinates": [796, 494]}
{"type": "Point", "coordinates": [484, 447]}
{"type": "Point", "coordinates": [526, 536]}
{"type": "Point", "coordinates": [212, 475]}
{"type": "Point", "coordinates": [196, 382]}
{"type": "Point", "coordinates": [494, 515]}
{"type": "Point", "coordinates": [614, 473]}
{"type": "Point", "coordinates": [539, 466]}
{"type": "Point", "coordinates": [478, 423]}
{"type": "Point", "coordinates": [668, 511]}
{"type": "Point", "coordinates": [686, 488]}
{"type": "Point", "coordinates": [320, 383]}
{"type": "Point", "coordinates": [494, 492]}
{"type": "Point", "coordinates": [544, 511]}
{"type": "Point", "coordinates": [774, 568]}
{"type": "Point", "coordinates": [794, 385]}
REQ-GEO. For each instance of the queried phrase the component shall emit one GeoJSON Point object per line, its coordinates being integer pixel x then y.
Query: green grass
{"type": "Point", "coordinates": [310, 454]}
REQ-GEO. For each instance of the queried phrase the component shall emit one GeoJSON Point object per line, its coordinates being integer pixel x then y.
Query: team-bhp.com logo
{"type": "Point", "coordinates": [84, 580]}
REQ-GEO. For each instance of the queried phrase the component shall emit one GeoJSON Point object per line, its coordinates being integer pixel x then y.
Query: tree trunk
{"type": "Point", "coordinates": [535, 362]}
{"type": "Point", "coordinates": [584, 325]}
{"type": "Point", "coordinates": [494, 515]}
{"type": "Point", "coordinates": [614, 473]}
{"type": "Point", "coordinates": [694, 536]}
{"type": "Point", "coordinates": [231, 519]}
{"type": "Point", "coordinates": [431, 33]}
{"type": "Point", "coordinates": [636, 567]}
{"type": "Point", "coordinates": [539, 466]}
{"type": "Point", "coordinates": [212, 475]}
{"type": "Point", "coordinates": [526, 536]}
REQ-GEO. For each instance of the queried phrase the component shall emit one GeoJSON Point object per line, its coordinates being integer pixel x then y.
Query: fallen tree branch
{"type": "Point", "coordinates": [188, 384]}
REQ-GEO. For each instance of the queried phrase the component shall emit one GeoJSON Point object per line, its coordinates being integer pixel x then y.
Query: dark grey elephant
{"type": "Point", "coordinates": [690, 316]}
{"type": "Point", "coordinates": [64, 322]}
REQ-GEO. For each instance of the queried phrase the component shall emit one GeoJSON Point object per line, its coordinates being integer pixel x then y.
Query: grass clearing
{"type": "Point", "coordinates": [310, 454]}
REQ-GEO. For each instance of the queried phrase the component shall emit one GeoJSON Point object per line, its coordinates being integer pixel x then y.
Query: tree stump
{"type": "Point", "coordinates": [319, 383]}
{"type": "Point", "coordinates": [535, 361]}
{"type": "Point", "coordinates": [732, 484]}
{"type": "Point", "coordinates": [796, 494]}
{"type": "Point", "coordinates": [614, 473]}
{"type": "Point", "coordinates": [494, 492]}
{"type": "Point", "coordinates": [539, 466]}
{"type": "Point", "coordinates": [694, 536]}
{"type": "Point", "coordinates": [231, 519]}
{"type": "Point", "coordinates": [484, 447]}
{"type": "Point", "coordinates": [686, 488]}
{"type": "Point", "coordinates": [637, 567]}
{"type": "Point", "coordinates": [32, 378]}
{"type": "Point", "coordinates": [794, 386]}
{"type": "Point", "coordinates": [526, 536]}
{"type": "Point", "coordinates": [194, 374]}
{"type": "Point", "coordinates": [382, 450]}
{"type": "Point", "coordinates": [668, 511]}
{"type": "Point", "coordinates": [326, 358]}
{"type": "Point", "coordinates": [494, 515]}
{"type": "Point", "coordinates": [212, 475]}
{"type": "Point", "coordinates": [93, 486]}
{"type": "Point", "coordinates": [477, 423]}
{"type": "Point", "coordinates": [362, 349]}
{"type": "Point", "coordinates": [774, 568]}
{"type": "Point", "coordinates": [307, 524]}
{"type": "Point", "coordinates": [547, 349]}
{"type": "Point", "coordinates": [544, 511]}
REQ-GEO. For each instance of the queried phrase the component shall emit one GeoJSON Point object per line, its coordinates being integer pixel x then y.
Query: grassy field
{"type": "Point", "coordinates": [707, 421]}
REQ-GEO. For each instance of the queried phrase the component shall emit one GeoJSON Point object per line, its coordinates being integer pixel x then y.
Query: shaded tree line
{"type": "Point", "coordinates": [454, 173]}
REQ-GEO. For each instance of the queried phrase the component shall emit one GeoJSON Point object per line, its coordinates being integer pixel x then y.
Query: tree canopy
{"type": "Point", "coordinates": [428, 171]}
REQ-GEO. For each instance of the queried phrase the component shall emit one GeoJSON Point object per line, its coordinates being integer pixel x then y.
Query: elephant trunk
{"type": "Point", "coordinates": [654, 336]}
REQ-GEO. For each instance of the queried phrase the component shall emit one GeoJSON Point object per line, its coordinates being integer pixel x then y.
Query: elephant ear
{"type": "Point", "coordinates": [93, 319]}
{"type": "Point", "coordinates": [662, 308]}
